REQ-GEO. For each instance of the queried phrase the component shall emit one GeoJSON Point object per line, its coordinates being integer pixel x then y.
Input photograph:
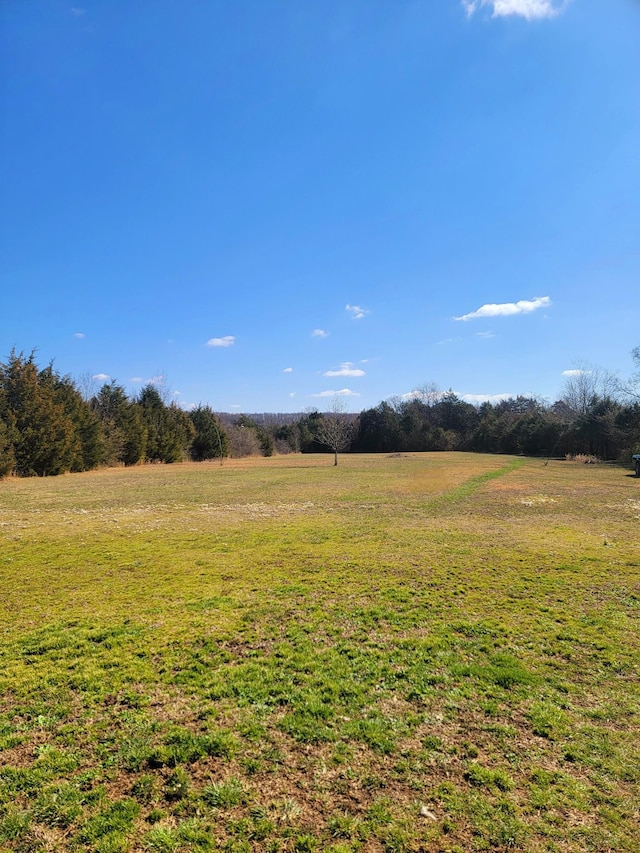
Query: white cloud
{"type": "Point", "coordinates": [76, 11]}
{"type": "Point", "coordinates": [530, 10]}
{"type": "Point", "coordinates": [160, 379]}
{"type": "Point", "coordinates": [344, 392]}
{"type": "Point", "coordinates": [319, 333]}
{"type": "Point", "coordinates": [345, 369]}
{"type": "Point", "coordinates": [79, 335]}
{"type": "Point", "coordinates": [227, 341]}
{"type": "Point", "coordinates": [101, 377]}
{"type": "Point", "coordinates": [292, 394]}
{"type": "Point", "coordinates": [486, 398]}
{"type": "Point", "coordinates": [576, 372]}
{"type": "Point", "coordinates": [507, 309]}
{"type": "Point", "coordinates": [427, 396]}
{"type": "Point", "coordinates": [288, 370]}
{"type": "Point", "coordinates": [357, 313]}
{"type": "Point", "coordinates": [485, 334]}
{"type": "Point", "coordinates": [434, 396]}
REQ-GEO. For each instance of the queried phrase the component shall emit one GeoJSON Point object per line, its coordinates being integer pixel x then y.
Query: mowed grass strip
{"type": "Point", "coordinates": [426, 652]}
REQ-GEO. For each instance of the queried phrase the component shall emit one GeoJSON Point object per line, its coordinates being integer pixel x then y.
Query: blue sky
{"type": "Point", "coordinates": [269, 202]}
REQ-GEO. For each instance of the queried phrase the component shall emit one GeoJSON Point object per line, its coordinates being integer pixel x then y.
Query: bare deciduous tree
{"type": "Point", "coordinates": [243, 441]}
{"type": "Point", "coordinates": [87, 385]}
{"type": "Point", "coordinates": [584, 386]}
{"type": "Point", "coordinates": [630, 388]}
{"type": "Point", "coordinates": [335, 429]}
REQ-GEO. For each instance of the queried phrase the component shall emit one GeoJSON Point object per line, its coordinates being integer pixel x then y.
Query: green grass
{"type": "Point", "coordinates": [431, 652]}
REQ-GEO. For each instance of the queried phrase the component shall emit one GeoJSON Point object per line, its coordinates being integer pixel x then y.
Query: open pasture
{"type": "Point", "coordinates": [432, 652]}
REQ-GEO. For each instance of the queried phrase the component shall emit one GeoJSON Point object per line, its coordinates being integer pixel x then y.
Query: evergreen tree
{"type": "Point", "coordinates": [89, 447]}
{"type": "Point", "coordinates": [7, 456]}
{"type": "Point", "coordinates": [153, 415]}
{"type": "Point", "coordinates": [628, 422]}
{"type": "Point", "coordinates": [287, 438]}
{"type": "Point", "coordinates": [169, 429]}
{"type": "Point", "coordinates": [486, 436]}
{"type": "Point", "coordinates": [43, 436]}
{"type": "Point", "coordinates": [125, 433]}
{"type": "Point", "coordinates": [210, 441]}
{"type": "Point", "coordinates": [182, 432]}
{"type": "Point", "coordinates": [453, 414]}
{"type": "Point", "coordinates": [308, 429]}
{"type": "Point", "coordinates": [380, 430]}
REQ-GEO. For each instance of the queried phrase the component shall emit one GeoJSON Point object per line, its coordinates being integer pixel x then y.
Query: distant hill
{"type": "Point", "coordinates": [270, 419]}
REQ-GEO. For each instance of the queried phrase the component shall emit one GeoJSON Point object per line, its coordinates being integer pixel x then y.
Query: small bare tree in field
{"type": "Point", "coordinates": [335, 429]}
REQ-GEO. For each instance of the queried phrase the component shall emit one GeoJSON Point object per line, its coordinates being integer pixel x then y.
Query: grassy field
{"type": "Point", "coordinates": [433, 652]}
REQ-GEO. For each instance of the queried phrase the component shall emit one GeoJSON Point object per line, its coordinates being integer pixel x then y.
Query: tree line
{"type": "Point", "coordinates": [597, 416]}
{"type": "Point", "coordinates": [607, 429]}
{"type": "Point", "coordinates": [48, 427]}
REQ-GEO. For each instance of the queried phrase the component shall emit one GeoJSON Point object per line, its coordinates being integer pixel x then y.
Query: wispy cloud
{"type": "Point", "coordinates": [357, 313]}
{"type": "Point", "coordinates": [79, 335]}
{"type": "Point", "coordinates": [101, 377]}
{"type": "Point", "coordinates": [485, 334]}
{"type": "Point", "coordinates": [226, 341]}
{"type": "Point", "coordinates": [345, 369]}
{"type": "Point", "coordinates": [77, 11]}
{"type": "Point", "coordinates": [576, 372]}
{"type": "Point", "coordinates": [288, 370]}
{"type": "Point", "coordinates": [344, 392]}
{"type": "Point", "coordinates": [319, 333]}
{"type": "Point", "coordinates": [531, 10]}
{"type": "Point", "coordinates": [136, 379]}
{"type": "Point", "coordinates": [507, 309]}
